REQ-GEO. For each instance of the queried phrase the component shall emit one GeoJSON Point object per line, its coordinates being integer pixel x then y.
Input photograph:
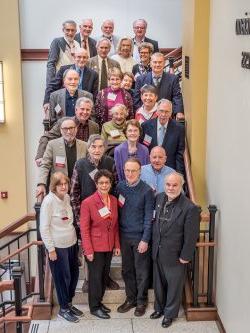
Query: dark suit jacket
{"type": "Point", "coordinates": [179, 237]}
{"type": "Point", "coordinates": [89, 82]}
{"type": "Point", "coordinates": [99, 234]}
{"type": "Point", "coordinates": [169, 88]}
{"type": "Point", "coordinates": [153, 42]}
{"type": "Point", "coordinates": [173, 142]}
{"type": "Point", "coordinates": [92, 44]}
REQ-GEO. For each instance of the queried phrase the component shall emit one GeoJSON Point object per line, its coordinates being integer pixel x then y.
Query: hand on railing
{"type": "Point", "coordinates": [40, 192]}
{"type": "Point", "coordinates": [46, 110]}
{"type": "Point", "coordinates": [39, 161]}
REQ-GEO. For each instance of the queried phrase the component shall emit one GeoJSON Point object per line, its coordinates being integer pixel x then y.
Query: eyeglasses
{"type": "Point", "coordinates": [131, 171]}
{"type": "Point", "coordinates": [104, 183]}
{"type": "Point", "coordinates": [62, 184]}
{"type": "Point", "coordinates": [144, 52]}
{"type": "Point", "coordinates": [139, 28]}
{"type": "Point", "coordinates": [66, 129]}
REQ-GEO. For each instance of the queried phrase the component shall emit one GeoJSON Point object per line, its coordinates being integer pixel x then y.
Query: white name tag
{"type": "Point", "coordinates": [121, 200]}
{"type": "Point", "coordinates": [92, 173]}
{"type": "Point", "coordinates": [147, 139]}
{"type": "Point", "coordinates": [104, 212]}
{"type": "Point", "coordinates": [60, 161]}
{"type": "Point", "coordinates": [111, 97]}
{"type": "Point", "coordinates": [154, 213]}
{"type": "Point", "coordinates": [58, 109]}
{"type": "Point", "coordinates": [115, 133]}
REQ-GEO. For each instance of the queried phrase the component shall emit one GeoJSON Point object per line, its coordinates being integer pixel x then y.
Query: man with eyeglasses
{"type": "Point", "coordinates": [83, 185]}
{"type": "Point", "coordinates": [61, 154]}
{"type": "Point", "coordinates": [88, 78]}
{"type": "Point", "coordinates": [166, 132]}
{"type": "Point", "coordinates": [140, 28]}
{"type": "Point", "coordinates": [136, 202]}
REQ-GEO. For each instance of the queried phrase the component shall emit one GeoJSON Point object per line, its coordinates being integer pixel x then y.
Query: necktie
{"type": "Point", "coordinates": [104, 81]}
{"type": "Point", "coordinates": [157, 80]}
{"type": "Point", "coordinates": [80, 78]}
{"type": "Point", "coordinates": [161, 135]}
{"type": "Point", "coordinates": [84, 44]}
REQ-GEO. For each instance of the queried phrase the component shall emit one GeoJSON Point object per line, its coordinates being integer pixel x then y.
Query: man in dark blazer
{"type": "Point", "coordinates": [88, 77]}
{"type": "Point", "coordinates": [175, 232]}
{"type": "Point", "coordinates": [61, 50]}
{"type": "Point", "coordinates": [84, 39]}
{"type": "Point", "coordinates": [101, 63]}
{"type": "Point", "coordinates": [167, 85]}
{"type": "Point", "coordinates": [166, 132]}
{"type": "Point", "coordinates": [140, 28]}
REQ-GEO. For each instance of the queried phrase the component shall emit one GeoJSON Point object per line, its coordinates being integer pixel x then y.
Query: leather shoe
{"type": "Point", "coordinates": [125, 307]}
{"type": "Point", "coordinates": [111, 284]}
{"type": "Point", "coordinates": [104, 308]}
{"type": "Point", "coordinates": [166, 322]}
{"type": "Point", "coordinates": [100, 314]}
{"type": "Point", "coordinates": [140, 310]}
{"type": "Point", "coordinates": [155, 315]}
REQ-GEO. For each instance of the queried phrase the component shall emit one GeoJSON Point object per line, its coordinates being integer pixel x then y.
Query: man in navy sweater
{"type": "Point", "coordinates": [136, 201]}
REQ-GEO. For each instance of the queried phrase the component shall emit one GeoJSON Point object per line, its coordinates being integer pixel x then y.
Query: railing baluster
{"type": "Point", "coordinates": [17, 274]}
{"type": "Point", "coordinates": [40, 254]}
{"type": "Point", "coordinates": [196, 277]}
{"type": "Point", "coordinates": [212, 210]}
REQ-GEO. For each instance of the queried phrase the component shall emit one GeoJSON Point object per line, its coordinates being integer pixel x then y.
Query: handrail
{"type": "Point", "coordinates": [17, 224]}
{"type": "Point", "coordinates": [6, 285]}
{"type": "Point", "coordinates": [174, 53]}
{"type": "Point", "coordinates": [25, 247]}
{"type": "Point", "coordinates": [189, 177]}
{"type": "Point", "coordinates": [26, 318]}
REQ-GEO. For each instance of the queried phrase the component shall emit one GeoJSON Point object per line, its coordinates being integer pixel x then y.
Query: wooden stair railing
{"type": "Point", "coordinates": [39, 288]}
{"type": "Point", "coordinates": [198, 290]}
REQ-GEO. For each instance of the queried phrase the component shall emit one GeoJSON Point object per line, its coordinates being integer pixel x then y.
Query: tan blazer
{"type": "Point", "coordinates": [93, 64]}
{"type": "Point", "coordinates": [54, 154]}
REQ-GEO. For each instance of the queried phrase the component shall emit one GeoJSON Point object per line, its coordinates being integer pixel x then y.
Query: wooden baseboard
{"type": "Point", "coordinates": [220, 325]}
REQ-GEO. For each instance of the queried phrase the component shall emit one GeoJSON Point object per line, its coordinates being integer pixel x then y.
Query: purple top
{"type": "Point", "coordinates": [121, 156]}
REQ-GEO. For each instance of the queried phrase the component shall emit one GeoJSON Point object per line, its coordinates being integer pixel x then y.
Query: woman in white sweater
{"type": "Point", "coordinates": [59, 237]}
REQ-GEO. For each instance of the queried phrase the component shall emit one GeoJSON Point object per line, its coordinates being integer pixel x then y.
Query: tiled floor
{"type": "Point", "coordinates": [122, 323]}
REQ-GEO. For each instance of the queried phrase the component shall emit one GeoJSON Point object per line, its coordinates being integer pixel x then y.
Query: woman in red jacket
{"type": "Point", "coordinates": [100, 239]}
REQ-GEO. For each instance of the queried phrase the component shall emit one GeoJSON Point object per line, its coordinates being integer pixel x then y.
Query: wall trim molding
{"type": "Point", "coordinates": [42, 54]}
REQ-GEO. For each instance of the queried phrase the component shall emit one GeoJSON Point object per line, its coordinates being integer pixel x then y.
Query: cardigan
{"type": "Point", "coordinates": [101, 105]}
{"type": "Point", "coordinates": [121, 156]}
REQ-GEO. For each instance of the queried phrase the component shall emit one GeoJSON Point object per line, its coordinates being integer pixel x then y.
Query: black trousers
{"type": "Point", "coordinates": [168, 287]}
{"type": "Point", "coordinates": [65, 273]}
{"type": "Point", "coordinates": [135, 271]}
{"type": "Point", "coordinates": [98, 274]}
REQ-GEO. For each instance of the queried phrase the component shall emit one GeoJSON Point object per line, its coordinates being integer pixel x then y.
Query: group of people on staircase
{"type": "Point", "coordinates": [112, 161]}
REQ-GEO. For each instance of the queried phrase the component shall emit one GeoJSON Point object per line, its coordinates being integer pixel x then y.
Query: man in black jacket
{"type": "Point", "coordinates": [88, 78]}
{"type": "Point", "coordinates": [175, 232]}
{"type": "Point", "coordinates": [168, 133]}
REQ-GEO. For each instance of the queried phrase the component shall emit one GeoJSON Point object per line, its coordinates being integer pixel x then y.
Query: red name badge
{"type": "Point", "coordinates": [60, 161]}
{"type": "Point", "coordinates": [65, 218]}
{"type": "Point", "coordinates": [147, 140]}
{"type": "Point", "coordinates": [121, 200]}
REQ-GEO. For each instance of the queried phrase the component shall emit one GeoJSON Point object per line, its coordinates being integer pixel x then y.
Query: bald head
{"type": "Point", "coordinates": [81, 57]}
{"type": "Point", "coordinates": [173, 185]}
{"type": "Point", "coordinates": [158, 158]}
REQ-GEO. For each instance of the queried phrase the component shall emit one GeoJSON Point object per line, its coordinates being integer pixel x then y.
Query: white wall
{"type": "Point", "coordinates": [41, 20]}
{"type": "Point", "coordinates": [228, 161]}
